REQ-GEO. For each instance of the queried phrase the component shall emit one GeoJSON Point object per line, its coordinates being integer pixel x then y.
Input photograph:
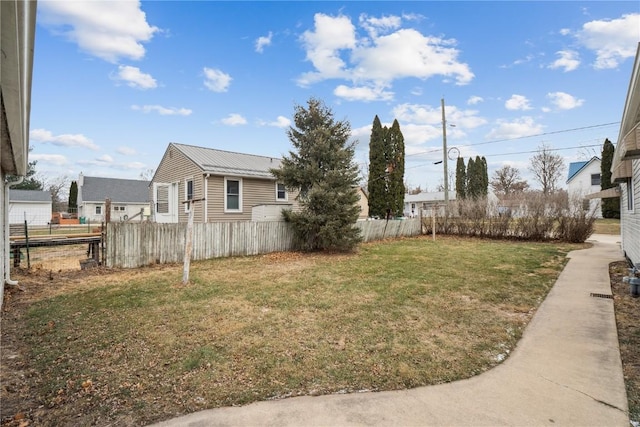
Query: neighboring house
{"type": "Point", "coordinates": [129, 199]}
{"type": "Point", "coordinates": [225, 186]}
{"type": "Point", "coordinates": [29, 205]}
{"type": "Point", "coordinates": [625, 168]}
{"type": "Point", "coordinates": [584, 179]}
{"type": "Point", "coordinates": [363, 202]}
{"type": "Point", "coordinates": [18, 24]}
{"type": "Point", "coordinates": [424, 202]}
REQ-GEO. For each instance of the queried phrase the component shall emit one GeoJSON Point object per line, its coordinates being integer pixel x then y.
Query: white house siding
{"type": "Point", "coordinates": [34, 213]}
{"type": "Point", "coordinates": [580, 186]}
{"type": "Point", "coordinates": [174, 167]}
{"type": "Point", "coordinates": [630, 219]}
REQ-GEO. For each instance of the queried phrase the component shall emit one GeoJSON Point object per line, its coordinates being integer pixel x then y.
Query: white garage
{"type": "Point", "coordinates": [30, 205]}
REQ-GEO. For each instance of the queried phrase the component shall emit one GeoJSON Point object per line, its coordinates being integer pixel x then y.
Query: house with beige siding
{"type": "Point", "coordinates": [625, 168]}
{"type": "Point", "coordinates": [222, 185]}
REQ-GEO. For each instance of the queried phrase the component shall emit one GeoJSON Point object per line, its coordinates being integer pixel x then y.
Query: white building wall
{"type": "Point", "coordinates": [580, 186]}
{"type": "Point", "coordinates": [630, 219]}
{"type": "Point", "coordinates": [34, 213]}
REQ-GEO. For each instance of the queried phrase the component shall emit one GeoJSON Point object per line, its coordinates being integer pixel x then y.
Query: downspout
{"type": "Point", "coordinates": [206, 197]}
{"type": "Point", "coordinates": [7, 233]}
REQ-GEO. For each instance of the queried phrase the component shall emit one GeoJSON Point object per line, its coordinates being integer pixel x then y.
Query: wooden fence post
{"type": "Point", "coordinates": [188, 241]}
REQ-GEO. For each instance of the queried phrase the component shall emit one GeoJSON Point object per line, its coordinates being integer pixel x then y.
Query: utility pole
{"type": "Point", "coordinates": [444, 161]}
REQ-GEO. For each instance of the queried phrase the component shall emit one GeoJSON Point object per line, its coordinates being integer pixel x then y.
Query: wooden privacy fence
{"type": "Point", "coordinates": [131, 245]}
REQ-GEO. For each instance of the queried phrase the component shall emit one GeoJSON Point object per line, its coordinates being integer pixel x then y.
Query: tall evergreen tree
{"type": "Point", "coordinates": [377, 183]}
{"type": "Point", "coordinates": [473, 186]}
{"type": "Point", "coordinates": [485, 177]}
{"type": "Point", "coordinates": [461, 179]}
{"type": "Point", "coordinates": [73, 197]}
{"type": "Point", "coordinates": [395, 168]}
{"type": "Point", "coordinates": [610, 206]}
{"type": "Point", "coordinates": [322, 170]}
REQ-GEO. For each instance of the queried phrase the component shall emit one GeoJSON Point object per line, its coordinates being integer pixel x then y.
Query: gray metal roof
{"type": "Point", "coordinates": [29, 196]}
{"type": "Point", "coordinates": [118, 190]}
{"type": "Point", "coordinates": [219, 162]}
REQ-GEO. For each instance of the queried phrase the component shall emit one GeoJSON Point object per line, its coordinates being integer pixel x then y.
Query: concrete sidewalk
{"type": "Point", "coordinates": [565, 371]}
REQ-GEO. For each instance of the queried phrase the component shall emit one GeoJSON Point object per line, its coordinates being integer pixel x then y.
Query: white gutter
{"type": "Point", "coordinates": [7, 233]}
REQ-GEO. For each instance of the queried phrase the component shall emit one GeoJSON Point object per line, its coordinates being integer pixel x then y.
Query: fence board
{"type": "Point", "coordinates": [131, 245]}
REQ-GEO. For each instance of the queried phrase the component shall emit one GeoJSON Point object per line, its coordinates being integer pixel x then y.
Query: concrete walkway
{"type": "Point", "coordinates": [565, 371]}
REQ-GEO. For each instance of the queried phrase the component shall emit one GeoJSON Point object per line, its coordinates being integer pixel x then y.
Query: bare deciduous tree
{"type": "Point", "coordinates": [507, 181]}
{"type": "Point", "coordinates": [547, 169]}
{"type": "Point", "coordinates": [58, 188]}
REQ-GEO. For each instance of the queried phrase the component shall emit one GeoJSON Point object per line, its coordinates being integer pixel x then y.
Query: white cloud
{"type": "Point", "coordinates": [280, 122]}
{"type": "Point", "coordinates": [106, 29]}
{"type": "Point", "coordinates": [564, 101]}
{"type": "Point", "coordinates": [163, 111]}
{"type": "Point", "coordinates": [234, 120]}
{"type": "Point", "coordinates": [263, 41]}
{"type": "Point", "coordinates": [126, 151]}
{"type": "Point", "coordinates": [64, 140]}
{"type": "Point", "coordinates": [385, 54]}
{"type": "Point", "coordinates": [474, 100]}
{"type": "Point", "coordinates": [362, 93]}
{"type": "Point", "coordinates": [374, 26]}
{"type": "Point", "coordinates": [521, 127]}
{"type": "Point", "coordinates": [565, 31]}
{"type": "Point", "coordinates": [323, 45]}
{"type": "Point", "coordinates": [568, 60]}
{"type": "Point", "coordinates": [613, 40]}
{"type": "Point", "coordinates": [517, 102]}
{"type": "Point", "coordinates": [216, 80]}
{"type": "Point", "coordinates": [426, 114]}
{"type": "Point", "coordinates": [54, 159]}
{"type": "Point", "coordinates": [136, 78]}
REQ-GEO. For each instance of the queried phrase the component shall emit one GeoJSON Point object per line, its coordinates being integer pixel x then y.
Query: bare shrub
{"type": "Point", "coordinates": [534, 216]}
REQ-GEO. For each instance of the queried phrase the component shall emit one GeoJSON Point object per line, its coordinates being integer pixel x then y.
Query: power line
{"type": "Point", "coordinates": [435, 150]}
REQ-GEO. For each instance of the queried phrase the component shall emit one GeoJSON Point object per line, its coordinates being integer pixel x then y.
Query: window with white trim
{"type": "Point", "coordinates": [281, 192]}
{"type": "Point", "coordinates": [232, 195]}
{"type": "Point", "coordinates": [99, 210]}
{"type": "Point", "coordinates": [188, 192]}
{"type": "Point", "coordinates": [595, 179]}
{"type": "Point", "coordinates": [630, 194]}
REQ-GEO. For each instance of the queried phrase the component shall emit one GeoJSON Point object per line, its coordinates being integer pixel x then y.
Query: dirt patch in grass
{"type": "Point", "coordinates": [627, 308]}
{"type": "Point", "coordinates": [124, 347]}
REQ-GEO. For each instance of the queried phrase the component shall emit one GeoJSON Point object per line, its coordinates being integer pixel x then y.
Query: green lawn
{"type": "Point", "coordinates": [136, 347]}
{"type": "Point", "coordinates": [607, 226]}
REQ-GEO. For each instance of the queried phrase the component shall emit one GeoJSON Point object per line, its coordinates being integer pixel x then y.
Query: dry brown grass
{"type": "Point", "coordinates": [129, 347]}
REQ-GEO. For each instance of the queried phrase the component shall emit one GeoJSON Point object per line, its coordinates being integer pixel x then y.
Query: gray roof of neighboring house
{"type": "Point", "coordinates": [29, 196]}
{"type": "Point", "coordinates": [118, 190]}
{"type": "Point", "coordinates": [219, 162]}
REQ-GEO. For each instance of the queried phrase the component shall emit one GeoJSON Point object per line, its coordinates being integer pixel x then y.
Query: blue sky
{"type": "Point", "coordinates": [115, 82]}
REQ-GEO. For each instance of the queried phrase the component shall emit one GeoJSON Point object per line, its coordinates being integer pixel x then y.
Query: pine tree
{"type": "Point", "coordinates": [395, 159]}
{"type": "Point", "coordinates": [461, 179]}
{"type": "Point", "coordinates": [485, 177]}
{"type": "Point", "coordinates": [73, 197]}
{"type": "Point", "coordinates": [473, 190]}
{"type": "Point", "coordinates": [322, 170]}
{"type": "Point", "coordinates": [610, 206]}
{"type": "Point", "coordinates": [376, 186]}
